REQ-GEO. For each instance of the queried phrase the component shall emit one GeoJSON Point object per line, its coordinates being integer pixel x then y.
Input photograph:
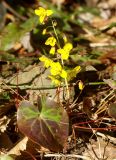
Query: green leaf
{"type": "Point", "coordinates": [28, 111]}
{"type": "Point", "coordinates": [30, 24]}
{"type": "Point", "coordinates": [47, 123]}
{"type": "Point", "coordinates": [14, 32]}
{"type": "Point", "coordinates": [10, 35]}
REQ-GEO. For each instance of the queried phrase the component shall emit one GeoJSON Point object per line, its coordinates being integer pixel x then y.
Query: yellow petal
{"type": "Point", "coordinates": [44, 31]}
{"type": "Point", "coordinates": [65, 55]}
{"type": "Point", "coordinates": [63, 74]}
{"type": "Point", "coordinates": [49, 12]}
{"type": "Point", "coordinates": [73, 72]}
{"type": "Point", "coordinates": [60, 51]}
{"type": "Point", "coordinates": [65, 51]}
{"type": "Point", "coordinates": [54, 80]}
{"type": "Point", "coordinates": [56, 68]}
{"type": "Point", "coordinates": [43, 13]}
{"type": "Point", "coordinates": [47, 61]}
{"type": "Point", "coordinates": [52, 50]}
{"type": "Point", "coordinates": [81, 86]}
{"type": "Point", "coordinates": [68, 47]}
{"type": "Point", "coordinates": [77, 69]}
{"type": "Point", "coordinates": [50, 41]}
{"type": "Point", "coordinates": [42, 58]}
{"type": "Point", "coordinates": [39, 11]}
{"type": "Point", "coordinates": [42, 18]}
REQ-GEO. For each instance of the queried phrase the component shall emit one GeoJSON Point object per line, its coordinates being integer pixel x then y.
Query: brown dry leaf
{"type": "Point", "coordinates": [101, 23]}
{"type": "Point", "coordinates": [58, 2]}
{"type": "Point", "coordinates": [21, 146]}
{"type": "Point", "coordinates": [5, 142]}
{"type": "Point", "coordinates": [91, 3]}
{"type": "Point", "coordinates": [6, 106]}
{"type": "Point", "coordinates": [26, 76]}
{"type": "Point", "coordinates": [112, 31]}
{"type": "Point", "coordinates": [98, 147]}
{"type": "Point", "coordinates": [112, 3]}
{"type": "Point", "coordinates": [111, 83]}
{"type": "Point", "coordinates": [17, 46]}
{"type": "Point", "coordinates": [88, 104]}
{"type": "Point", "coordinates": [112, 110]}
{"type": "Point", "coordinates": [99, 39]}
{"type": "Point", "coordinates": [108, 57]}
{"type": "Point", "coordinates": [26, 145]}
{"type": "Point", "coordinates": [4, 121]}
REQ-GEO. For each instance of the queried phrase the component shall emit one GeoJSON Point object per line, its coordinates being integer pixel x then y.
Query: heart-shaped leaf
{"type": "Point", "coordinates": [46, 124]}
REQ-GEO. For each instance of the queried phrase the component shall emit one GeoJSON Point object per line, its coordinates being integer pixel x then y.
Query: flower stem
{"type": "Point", "coordinates": [66, 82]}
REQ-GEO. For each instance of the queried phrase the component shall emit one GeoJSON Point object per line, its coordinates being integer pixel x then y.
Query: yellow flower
{"type": "Point", "coordinates": [50, 41]}
{"type": "Point", "coordinates": [77, 69]}
{"type": "Point", "coordinates": [64, 54]}
{"type": "Point", "coordinates": [44, 31]}
{"type": "Point", "coordinates": [63, 74]}
{"type": "Point", "coordinates": [56, 68]}
{"type": "Point", "coordinates": [65, 51]}
{"type": "Point", "coordinates": [72, 73]}
{"type": "Point", "coordinates": [68, 47]}
{"type": "Point", "coordinates": [52, 50]}
{"type": "Point", "coordinates": [54, 80]}
{"type": "Point", "coordinates": [43, 13]}
{"type": "Point", "coordinates": [81, 86]}
{"type": "Point", "coordinates": [47, 61]}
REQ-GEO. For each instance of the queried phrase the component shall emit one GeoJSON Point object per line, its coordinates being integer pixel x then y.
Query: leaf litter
{"type": "Point", "coordinates": [91, 112]}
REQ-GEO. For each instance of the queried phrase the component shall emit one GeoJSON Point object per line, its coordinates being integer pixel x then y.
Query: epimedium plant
{"type": "Point", "coordinates": [47, 123]}
{"type": "Point", "coordinates": [59, 73]}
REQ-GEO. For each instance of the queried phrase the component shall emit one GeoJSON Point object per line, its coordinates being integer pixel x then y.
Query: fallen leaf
{"type": "Point", "coordinates": [112, 110]}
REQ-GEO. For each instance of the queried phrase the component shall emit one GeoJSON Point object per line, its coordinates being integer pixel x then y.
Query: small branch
{"type": "Point", "coordinates": [67, 156]}
{"type": "Point", "coordinates": [7, 86]}
{"type": "Point", "coordinates": [102, 44]}
{"type": "Point", "coordinates": [26, 86]}
{"type": "Point", "coordinates": [107, 137]}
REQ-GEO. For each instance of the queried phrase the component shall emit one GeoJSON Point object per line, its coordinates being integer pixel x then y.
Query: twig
{"type": "Point", "coordinates": [67, 156]}
{"type": "Point", "coordinates": [8, 87]}
{"type": "Point", "coordinates": [32, 87]}
{"type": "Point", "coordinates": [103, 103]}
{"type": "Point", "coordinates": [27, 86]}
{"type": "Point", "coordinates": [102, 44]}
{"type": "Point", "coordinates": [105, 137]}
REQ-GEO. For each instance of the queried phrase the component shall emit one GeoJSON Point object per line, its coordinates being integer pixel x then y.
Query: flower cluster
{"type": "Point", "coordinates": [65, 51]}
{"type": "Point", "coordinates": [73, 72]}
{"type": "Point", "coordinates": [56, 69]}
{"type": "Point", "coordinates": [58, 73]}
{"type": "Point", "coordinates": [43, 14]}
